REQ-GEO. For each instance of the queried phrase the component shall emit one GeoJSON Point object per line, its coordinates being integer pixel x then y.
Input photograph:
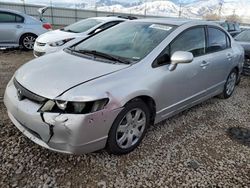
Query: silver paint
{"type": "Point", "coordinates": [62, 76]}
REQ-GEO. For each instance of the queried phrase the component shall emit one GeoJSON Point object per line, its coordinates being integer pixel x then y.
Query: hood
{"type": "Point", "coordinates": [245, 45]}
{"type": "Point", "coordinates": [51, 75]}
{"type": "Point", "coordinates": [57, 35]}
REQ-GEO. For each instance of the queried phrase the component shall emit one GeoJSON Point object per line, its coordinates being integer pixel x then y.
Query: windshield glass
{"type": "Point", "coordinates": [82, 26]}
{"type": "Point", "coordinates": [129, 40]}
{"type": "Point", "coordinates": [244, 36]}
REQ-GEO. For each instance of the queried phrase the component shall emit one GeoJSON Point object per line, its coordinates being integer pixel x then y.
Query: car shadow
{"type": "Point", "coordinates": [240, 134]}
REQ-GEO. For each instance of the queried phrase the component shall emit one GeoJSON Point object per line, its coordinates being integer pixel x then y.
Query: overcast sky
{"type": "Point", "coordinates": [82, 1]}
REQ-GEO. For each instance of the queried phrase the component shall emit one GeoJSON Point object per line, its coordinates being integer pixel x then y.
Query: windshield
{"type": "Point", "coordinates": [82, 26]}
{"type": "Point", "coordinates": [129, 40]}
{"type": "Point", "coordinates": [244, 36]}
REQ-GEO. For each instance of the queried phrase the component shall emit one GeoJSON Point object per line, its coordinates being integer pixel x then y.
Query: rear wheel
{"type": "Point", "coordinates": [27, 41]}
{"type": "Point", "coordinates": [229, 85]}
{"type": "Point", "coordinates": [128, 128]}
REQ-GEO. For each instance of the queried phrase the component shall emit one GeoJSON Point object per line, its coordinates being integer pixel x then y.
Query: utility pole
{"type": "Point", "coordinates": [75, 12]}
{"type": "Point", "coordinates": [24, 6]}
{"type": "Point", "coordinates": [51, 12]}
{"type": "Point", "coordinates": [145, 8]}
{"type": "Point", "coordinates": [180, 9]}
{"type": "Point", "coordinates": [220, 8]}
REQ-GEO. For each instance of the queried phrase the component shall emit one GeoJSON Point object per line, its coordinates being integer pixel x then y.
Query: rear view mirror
{"type": "Point", "coordinates": [180, 57]}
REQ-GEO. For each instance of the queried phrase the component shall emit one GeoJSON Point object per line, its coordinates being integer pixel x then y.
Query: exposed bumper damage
{"type": "Point", "coordinates": [67, 133]}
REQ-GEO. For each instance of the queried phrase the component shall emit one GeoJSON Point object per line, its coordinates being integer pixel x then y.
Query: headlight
{"type": "Point", "coordinates": [60, 43]}
{"type": "Point", "coordinates": [59, 106]}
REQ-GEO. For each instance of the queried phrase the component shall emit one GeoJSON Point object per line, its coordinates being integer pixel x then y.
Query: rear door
{"type": "Point", "coordinates": [11, 25]}
{"type": "Point", "coordinates": [220, 56]}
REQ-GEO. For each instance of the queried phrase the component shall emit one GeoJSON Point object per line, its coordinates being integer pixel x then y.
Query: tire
{"type": "Point", "coordinates": [27, 41]}
{"type": "Point", "coordinates": [129, 128]}
{"type": "Point", "coordinates": [230, 84]}
{"type": "Point", "coordinates": [238, 80]}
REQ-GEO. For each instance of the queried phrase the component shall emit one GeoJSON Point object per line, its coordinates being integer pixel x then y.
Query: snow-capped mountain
{"type": "Point", "coordinates": [188, 8]}
{"type": "Point", "coordinates": [195, 9]}
{"type": "Point", "coordinates": [152, 8]}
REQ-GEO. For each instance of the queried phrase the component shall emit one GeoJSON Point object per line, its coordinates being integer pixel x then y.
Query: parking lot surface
{"type": "Point", "coordinates": [205, 146]}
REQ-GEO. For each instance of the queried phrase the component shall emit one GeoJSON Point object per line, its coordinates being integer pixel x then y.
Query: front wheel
{"type": "Point", "coordinates": [128, 128]}
{"type": "Point", "coordinates": [229, 85]}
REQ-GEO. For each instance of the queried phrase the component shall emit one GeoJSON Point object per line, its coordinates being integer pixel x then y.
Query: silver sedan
{"type": "Point", "coordinates": [19, 29]}
{"type": "Point", "coordinates": [104, 92]}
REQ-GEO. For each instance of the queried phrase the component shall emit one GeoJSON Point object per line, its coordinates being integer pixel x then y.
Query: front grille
{"type": "Point", "coordinates": [38, 54]}
{"type": "Point", "coordinates": [25, 93]}
{"type": "Point", "coordinates": [40, 44]}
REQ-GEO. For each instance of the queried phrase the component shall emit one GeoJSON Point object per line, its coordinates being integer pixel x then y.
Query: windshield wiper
{"type": "Point", "coordinates": [103, 55]}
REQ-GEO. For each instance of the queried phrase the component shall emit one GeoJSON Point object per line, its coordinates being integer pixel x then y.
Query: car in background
{"type": "Point", "coordinates": [244, 40]}
{"type": "Point", "coordinates": [54, 41]}
{"type": "Point", "coordinates": [106, 90]}
{"type": "Point", "coordinates": [19, 29]}
{"type": "Point", "coordinates": [232, 27]}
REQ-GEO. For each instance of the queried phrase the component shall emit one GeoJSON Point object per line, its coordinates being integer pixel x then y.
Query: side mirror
{"type": "Point", "coordinates": [180, 57]}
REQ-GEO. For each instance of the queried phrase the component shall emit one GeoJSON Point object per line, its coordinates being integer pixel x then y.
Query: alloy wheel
{"type": "Point", "coordinates": [131, 128]}
{"type": "Point", "coordinates": [28, 42]}
{"type": "Point", "coordinates": [231, 83]}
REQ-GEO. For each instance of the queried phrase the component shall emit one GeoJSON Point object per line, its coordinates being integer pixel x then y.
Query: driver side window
{"type": "Point", "coordinates": [192, 40]}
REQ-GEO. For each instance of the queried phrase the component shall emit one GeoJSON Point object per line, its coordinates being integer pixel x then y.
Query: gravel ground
{"type": "Point", "coordinates": [206, 146]}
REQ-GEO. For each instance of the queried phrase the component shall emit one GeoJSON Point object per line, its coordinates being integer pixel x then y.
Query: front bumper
{"type": "Point", "coordinates": [67, 133]}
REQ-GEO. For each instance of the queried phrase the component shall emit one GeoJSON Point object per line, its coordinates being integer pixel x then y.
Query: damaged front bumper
{"type": "Point", "coordinates": [67, 133]}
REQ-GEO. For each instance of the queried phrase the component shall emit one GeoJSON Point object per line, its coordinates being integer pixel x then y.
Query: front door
{"type": "Point", "coordinates": [188, 82]}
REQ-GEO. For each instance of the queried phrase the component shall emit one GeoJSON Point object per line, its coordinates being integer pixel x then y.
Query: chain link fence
{"type": "Point", "coordinates": [61, 16]}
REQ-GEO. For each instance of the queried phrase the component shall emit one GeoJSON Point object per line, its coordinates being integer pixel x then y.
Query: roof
{"type": "Point", "coordinates": [12, 11]}
{"type": "Point", "coordinates": [109, 18]}
{"type": "Point", "coordinates": [172, 21]}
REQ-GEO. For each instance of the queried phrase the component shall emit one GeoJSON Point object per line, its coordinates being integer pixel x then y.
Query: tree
{"type": "Point", "coordinates": [211, 16]}
{"type": "Point", "coordinates": [233, 18]}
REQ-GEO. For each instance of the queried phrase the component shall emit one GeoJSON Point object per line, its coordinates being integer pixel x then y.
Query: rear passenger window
{"type": "Point", "coordinates": [19, 19]}
{"type": "Point", "coordinates": [6, 17]}
{"type": "Point", "coordinates": [192, 40]}
{"type": "Point", "coordinates": [217, 40]}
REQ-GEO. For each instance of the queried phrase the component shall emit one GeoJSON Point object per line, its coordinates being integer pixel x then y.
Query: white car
{"type": "Point", "coordinates": [59, 39]}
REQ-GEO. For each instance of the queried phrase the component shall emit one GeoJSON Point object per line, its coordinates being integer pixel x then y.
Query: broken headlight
{"type": "Point", "coordinates": [59, 106]}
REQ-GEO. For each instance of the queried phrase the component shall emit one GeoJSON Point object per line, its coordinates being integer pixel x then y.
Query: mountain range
{"type": "Point", "coordinates": [188, 8]}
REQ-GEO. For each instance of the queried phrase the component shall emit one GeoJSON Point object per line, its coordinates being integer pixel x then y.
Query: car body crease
{"type": "Point", "coordinates": [90, 80]}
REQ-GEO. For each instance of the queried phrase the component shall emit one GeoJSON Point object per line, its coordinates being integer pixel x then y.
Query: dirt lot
{"type": "Point", "coordinates": [208, 145]}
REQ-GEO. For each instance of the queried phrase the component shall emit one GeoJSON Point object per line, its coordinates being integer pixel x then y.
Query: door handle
{"type": "Point", "coordinates": [19, 26]}
{"type": "Point", "coordinates": [229, 56]}
{"type": "Point", "coordinates": [204, 64]}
